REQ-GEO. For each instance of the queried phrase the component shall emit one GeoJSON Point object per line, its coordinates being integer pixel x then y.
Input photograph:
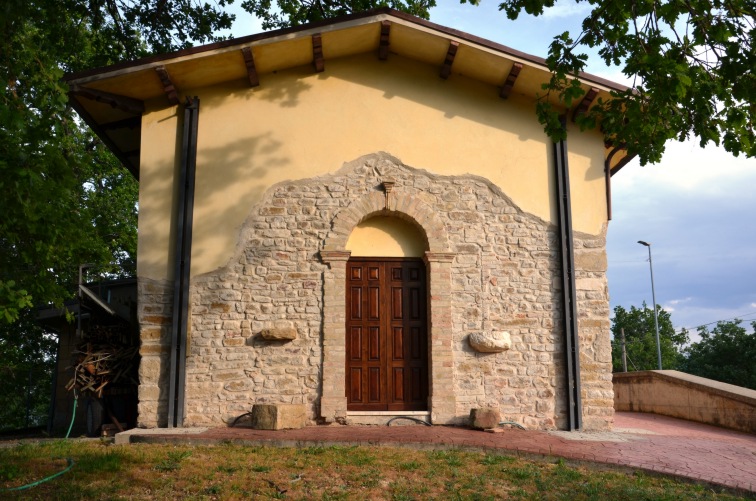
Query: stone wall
{"type": "Point", "coordinates": [594, 331]}
{"type": "Point", "coordinates": [155, 301]}
{"type": "Point", "coordinates": [685, 396]}
{"type": "Point", "coordinates": [504, 276]}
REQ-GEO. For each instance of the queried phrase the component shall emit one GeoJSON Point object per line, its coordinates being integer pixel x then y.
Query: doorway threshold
{"type": "Point", "coordinates": [383, 417]}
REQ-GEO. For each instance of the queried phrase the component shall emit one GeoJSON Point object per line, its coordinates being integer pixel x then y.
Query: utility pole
{"type": "Point", "coordinates": [624, 351]}
{"type": "Point", "coordinates": [653, 295]}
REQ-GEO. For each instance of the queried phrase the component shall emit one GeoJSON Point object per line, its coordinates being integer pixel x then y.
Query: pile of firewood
{"type": "Point", "coordinates": [104, 358]}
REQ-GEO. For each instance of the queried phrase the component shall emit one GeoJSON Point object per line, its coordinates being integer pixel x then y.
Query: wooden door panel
{"type": "Point", "coordinates": [396, 273]}
{"type": "Point", "coordinates": [374, 385]}
{"type": "Point", "coordinates": [355, 377]}
{"type": "Point", "coordinates": [355, 343]}
{"type": "Point", "coordinates": [414, 303]}
{"type": "Point", "coordinates": [415, 352]}
{"type": "Point", "coordinates": [398, 386]}
{"type": "Point", "coordinates": [397, 310]}
{"type": "Point", "coordinates": [355, 303]}
{"type": "Point", "coordinates": [387, 335]}
{"type": "Point", "coordinates": [416, 383]}
{"type": "Point", "coordinates": [375, 344]}
{"type": "Point", "coordinates": [374, 307]}
{"type": "Point", "coordinates": [398, 343]}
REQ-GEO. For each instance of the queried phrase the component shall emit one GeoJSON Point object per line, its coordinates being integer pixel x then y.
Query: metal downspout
{"type": "Point", "coordinates": [182, 263]}
{"type": "Point", "coordinates": [608, 180]}
{"type": "Point", "coordinates": [569, 296]}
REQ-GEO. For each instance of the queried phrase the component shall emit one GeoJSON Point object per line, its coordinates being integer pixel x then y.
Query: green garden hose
{"type": "Point", "coordinates": [68, 460]}
{"type": "Point", "coordinates": [34, 484]}
{"type": "Point", "coordinates": [73, 414]}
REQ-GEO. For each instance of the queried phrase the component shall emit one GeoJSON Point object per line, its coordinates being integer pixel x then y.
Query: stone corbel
{"type": "Point", "coordinates": [332, 256]}
{"type": "Point", "coordinates": [439, 257]}
{"type": "Point", "coordinates": [388, 186]}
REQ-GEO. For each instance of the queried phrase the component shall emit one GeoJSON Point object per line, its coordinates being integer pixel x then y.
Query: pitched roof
{"type": "Point", "coordinates": [111, 99]}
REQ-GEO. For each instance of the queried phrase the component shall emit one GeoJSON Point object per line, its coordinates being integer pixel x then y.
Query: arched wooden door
{"type": "Point", "coordinates": [386, 335]}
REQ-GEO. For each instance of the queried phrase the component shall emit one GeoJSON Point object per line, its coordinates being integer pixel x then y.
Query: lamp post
{"type": "Point", "coordinates": [653, 295]}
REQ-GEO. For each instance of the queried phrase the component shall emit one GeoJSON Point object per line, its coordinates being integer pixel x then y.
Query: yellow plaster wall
{"type": "Point", "coordinates": [157, 190]}
{"type": "Point", "coordinates": [585, 156]}
{"type": "Point", "coordinates": [299, 124]}
{"type": "Point", "coordinates": [386, 237]}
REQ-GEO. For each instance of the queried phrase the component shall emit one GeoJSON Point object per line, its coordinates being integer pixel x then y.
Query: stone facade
{"type": "Point", "coordinates": [491, 267]}
{"type": "Point", "coordinates": [155, 300]}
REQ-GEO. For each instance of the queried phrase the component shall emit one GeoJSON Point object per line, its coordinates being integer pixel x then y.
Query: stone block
{"type": "Point", "coordinates": [485, 418]}
{"type": "Point", "coordinates": [278, 416]}
{"type": "Point", "coordinates": [279, 333]}
{"type": "Point", "coordinates": [490, 342]}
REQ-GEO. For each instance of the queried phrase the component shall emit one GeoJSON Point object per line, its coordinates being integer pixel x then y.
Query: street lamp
{"type": "Point", "coordinates": [653, 295]}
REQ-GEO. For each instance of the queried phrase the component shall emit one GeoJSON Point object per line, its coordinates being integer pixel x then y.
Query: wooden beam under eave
{"type": "Point", "coordinates": [132, 166]}
{"type": "Point", "coordinates": [514, 72]}
{"type": "Point", "coordinates": [317, 53]}
{"type": "Point", "coordinates": [123, 103]}
{"type": "Point", "coordinates": [168, 86]}
{"type": "Point", "coordinates": [383, 48]}
{"type": "Point", "coordinates": [585, 103]}
{"type": "Point", "coordinates": [249, 62]}
{"type": "Point", "coordinates": [126, 123]}
{"type": "Point", "coordinates": [450, 54]}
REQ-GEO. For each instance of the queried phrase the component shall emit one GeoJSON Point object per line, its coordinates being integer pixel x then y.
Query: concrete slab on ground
{"type": "Point", "coordinates": [125, 437]}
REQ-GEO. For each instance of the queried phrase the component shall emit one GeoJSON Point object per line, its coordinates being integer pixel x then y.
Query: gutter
{"type": "Point", "coordinates": [569, 292]}
{"type": "Point", "coordinates": [182, 263]}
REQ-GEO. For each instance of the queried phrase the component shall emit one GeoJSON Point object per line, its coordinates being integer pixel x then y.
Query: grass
{"type": "Point", "coordinates": [227, 471]}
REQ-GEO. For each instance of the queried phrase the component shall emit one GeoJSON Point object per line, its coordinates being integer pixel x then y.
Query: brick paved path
{"type": "Point", "coordinates": [645, 441]}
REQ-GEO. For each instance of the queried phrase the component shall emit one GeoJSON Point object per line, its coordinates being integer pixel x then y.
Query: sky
{"type": "Point", "coordinates": [697, 207]}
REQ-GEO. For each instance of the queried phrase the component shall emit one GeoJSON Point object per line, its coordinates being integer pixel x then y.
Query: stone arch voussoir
{"type": "Point", "coordinates": [402, 205]}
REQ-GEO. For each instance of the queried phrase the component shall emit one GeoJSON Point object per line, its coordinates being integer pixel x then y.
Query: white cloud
{"type": "Point", "coordinates": [673, 304]}
{"type": "Point", "coordinates": [564, 9]}
{"type": "Point", "coordinates": [686, 166]}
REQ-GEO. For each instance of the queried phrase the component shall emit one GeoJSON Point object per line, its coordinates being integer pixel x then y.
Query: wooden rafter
{"type": "Point", "coordinates": [450, 54]}
{"type": "Point", "coordinates": [126, 123]}
{"type": "Point", "coordinates": [249, 62]}
{"type": "Point", "coordinates": [506, 89]}
{"type": "Point", "coordinates": [168, 86]}
{"type": "Point", "coordinates": [317, 53]}
{"type": "Point", "coordinates": [585, 103]}
{"type": "Point", "coordinates": [117, 101]}
{"type": "Point", "coordinates": [383, 48]}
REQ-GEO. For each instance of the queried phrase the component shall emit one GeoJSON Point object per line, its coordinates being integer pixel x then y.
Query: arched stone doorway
{"type": "Point", "coordinates": [437, 263]}
{"type": "Point", "coordinates": [386, 317]}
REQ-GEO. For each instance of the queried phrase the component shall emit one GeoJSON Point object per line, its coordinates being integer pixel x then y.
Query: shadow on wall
{"type": "Point", "coordinates": [399, 77]}
{"type": "Point", "coordinates": [459, 96]}
{"type": "Point", "coordinates": [219, 194]}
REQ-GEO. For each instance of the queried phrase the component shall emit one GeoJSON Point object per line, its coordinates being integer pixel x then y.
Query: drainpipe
{"type": "Point", "coordinates": [182, 263]}
{"type": "Point", "coordinates": [569, 295]}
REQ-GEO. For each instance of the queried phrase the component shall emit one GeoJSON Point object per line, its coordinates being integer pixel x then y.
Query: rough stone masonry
{"type": "Point", "coordinates": [505, 276]}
